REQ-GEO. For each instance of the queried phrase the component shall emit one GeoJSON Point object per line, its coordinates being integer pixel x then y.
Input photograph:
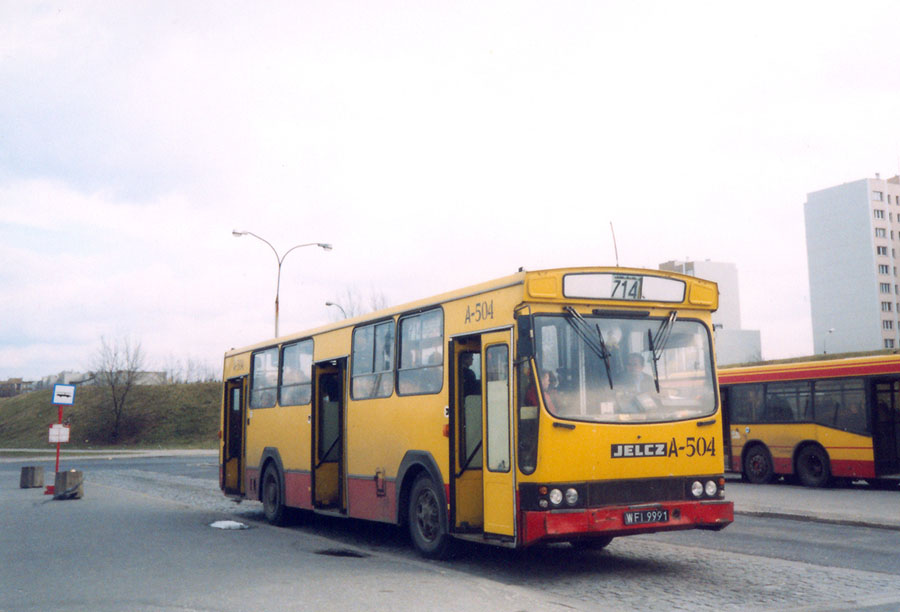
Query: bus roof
{"type": "Point", "coordinates": [814, 366]}
{"type": "Point", "coordinates": [538, 286]}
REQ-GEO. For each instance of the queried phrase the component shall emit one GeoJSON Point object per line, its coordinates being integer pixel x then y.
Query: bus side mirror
{"type": "Point", "coordinates": [525, 344]}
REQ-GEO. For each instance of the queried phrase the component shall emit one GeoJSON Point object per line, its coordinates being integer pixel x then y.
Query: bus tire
{"type": "Point", "coordinates": [428, 519]}
{"type": "Point", "coordinates": [272, 498]}
{"type": "Point", "coordinates": [758, 465]}
{"type": "Point", "coordinates": [813, 467]}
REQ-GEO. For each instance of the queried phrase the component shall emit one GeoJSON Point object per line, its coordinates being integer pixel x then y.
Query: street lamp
{"type": "Point", "coordinates": [828, 333]}
{"type": "Point", "coordinates": [337, 306]}
{"type": "Point", "coordinates": [280, 258]}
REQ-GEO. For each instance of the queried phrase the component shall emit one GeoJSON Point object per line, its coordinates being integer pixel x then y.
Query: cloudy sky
{"type": "Point", "coordinates": [435, 144]}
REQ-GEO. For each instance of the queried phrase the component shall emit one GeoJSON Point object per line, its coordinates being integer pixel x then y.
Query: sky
{"type": "Point", "coordinates": [434, 144]}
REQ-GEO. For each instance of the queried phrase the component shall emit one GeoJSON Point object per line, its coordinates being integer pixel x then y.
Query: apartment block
{"type": "Point", "coordinates": [733, 344]}
{"type": "Point", "coordinates": [853, 246]}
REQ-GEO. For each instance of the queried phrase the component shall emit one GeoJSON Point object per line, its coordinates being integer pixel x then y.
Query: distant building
{"type": "Point", "coordinates": [733, 344]}
{"type": "Point", "coordinates": [14, 386]}
{"type": "Point", "coordinates": [853, 248]}
{"type": "Point", "coordinates": [88, 378]}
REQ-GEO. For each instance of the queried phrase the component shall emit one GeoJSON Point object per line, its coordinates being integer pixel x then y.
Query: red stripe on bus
{"type": "Point", "coordinates": [366, 503]}
{"type": "Point", "coordinates": [788, 371]}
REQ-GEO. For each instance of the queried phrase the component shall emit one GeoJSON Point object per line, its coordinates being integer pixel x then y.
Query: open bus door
{"type": "Point", "coordinates": [499, 480]}
{"type": "Point", "coordinates": [328, 435]}
{"type": "Point", "coordinates": [233, 437]}
{"type": "Point", "coordinates": [483, 494]}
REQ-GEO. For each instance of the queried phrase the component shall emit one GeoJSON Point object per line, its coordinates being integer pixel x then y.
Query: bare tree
{"type": "Point", "coordinates": [189, 370]}
{"type": "Point", "coordinates": [117, 366]}
{"type": "Point", "coordinates": [353, 302]}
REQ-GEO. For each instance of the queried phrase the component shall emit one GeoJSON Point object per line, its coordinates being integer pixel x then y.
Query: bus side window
{"type": "Point", "coordinates": [746, 403]}
{"type": "Point", "coordinates": [827, 402]}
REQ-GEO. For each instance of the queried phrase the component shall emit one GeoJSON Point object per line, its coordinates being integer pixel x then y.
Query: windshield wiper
{"type": "Point", "coordinates": [658, 343]}
{"type": "Point", "coordinates": [583, 328]}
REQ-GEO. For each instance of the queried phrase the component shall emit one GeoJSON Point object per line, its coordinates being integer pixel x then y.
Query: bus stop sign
{"type": "Point", "coordinates": [63, 395]}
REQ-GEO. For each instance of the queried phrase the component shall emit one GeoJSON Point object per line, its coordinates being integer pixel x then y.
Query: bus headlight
{"type": "Point", "coordinates": [711, 488]}
{"type": "Point", "coordinates": [571, 497]}
{"type": "Point", "coordinates": [556, 497]}
{"type": "Point", "coordinates": [697, 489]}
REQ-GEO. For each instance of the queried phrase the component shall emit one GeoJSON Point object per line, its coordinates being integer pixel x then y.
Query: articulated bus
{"type": "Point", "coordinates": [817, 418]}
{"type": "Point", "coordinates": [571, 405]}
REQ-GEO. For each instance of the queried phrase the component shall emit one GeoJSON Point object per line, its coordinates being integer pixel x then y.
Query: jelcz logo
{"type": "Point", "coordinates": [647, 449]}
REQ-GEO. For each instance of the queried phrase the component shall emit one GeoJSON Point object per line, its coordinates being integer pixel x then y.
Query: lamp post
{"type": "Point", "coordinates": [828, 333]}
{"type": "Point", "coordinates": [280, 259]}
{"type": "Point", "coordinates": [337, 306]}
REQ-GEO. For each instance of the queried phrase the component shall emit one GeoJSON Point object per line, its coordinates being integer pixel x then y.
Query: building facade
{"type": "Point", "coordinates": [733, 344]}
{"type": "Point", "coordinates": [853, 248]}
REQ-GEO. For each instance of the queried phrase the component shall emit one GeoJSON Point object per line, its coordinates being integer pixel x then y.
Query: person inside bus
{"type": "Point", "coordinates": [547, 391]}
{"type": "Point", "coordinates": [635, 379]}
{"type": "Point", "coordinates": [470, 384]}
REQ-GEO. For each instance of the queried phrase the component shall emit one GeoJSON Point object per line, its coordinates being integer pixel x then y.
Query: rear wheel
{"type": "Point", "coordinates": [428, 519]}
{"type": "Point", "coordinates": [813, 468]}
{"type": "Point", "coordinates": [273, 503]}
{"type": "Point", "coordinates": [758, 465]}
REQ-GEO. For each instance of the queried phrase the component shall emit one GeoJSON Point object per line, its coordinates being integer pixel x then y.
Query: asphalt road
{"type": "Point", "coordinates": [140, 540]}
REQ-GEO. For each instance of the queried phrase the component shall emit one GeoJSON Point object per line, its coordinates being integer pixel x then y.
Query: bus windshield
{"type": "Point", "coordinates": [624, 369]}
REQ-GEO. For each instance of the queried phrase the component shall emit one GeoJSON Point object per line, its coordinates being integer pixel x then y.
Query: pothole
{"type": "Point", "coordinates": [341, 552]}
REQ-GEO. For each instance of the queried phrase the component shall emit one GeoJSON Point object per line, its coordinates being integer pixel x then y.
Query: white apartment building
{"type": "Point", "coordinates": [733, 344]}
{"type": "Point", "coordinates": [853, 248]}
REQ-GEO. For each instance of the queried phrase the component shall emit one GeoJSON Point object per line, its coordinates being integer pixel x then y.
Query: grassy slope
{"type": "Point", "coordinates": [172, 416]}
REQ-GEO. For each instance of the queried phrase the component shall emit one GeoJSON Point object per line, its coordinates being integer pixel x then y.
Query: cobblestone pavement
{"type": "Point", "coordinates": [636, 573]}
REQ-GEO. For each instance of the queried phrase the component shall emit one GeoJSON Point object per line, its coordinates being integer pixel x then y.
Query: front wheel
{"type": "Point", "coordinates": [813, 468]}
{"type": "Point", "coordinates": [428, 519]}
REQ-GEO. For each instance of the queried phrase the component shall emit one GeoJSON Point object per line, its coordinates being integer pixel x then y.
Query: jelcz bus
{"type": "Point", "coordinates": [560, 405]}
{"type": "Point", "coordinates": [817, 418]}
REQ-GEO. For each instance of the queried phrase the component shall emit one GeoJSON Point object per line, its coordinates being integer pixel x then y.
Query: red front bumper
{"type": "Point", "coordinates": [609, 521]}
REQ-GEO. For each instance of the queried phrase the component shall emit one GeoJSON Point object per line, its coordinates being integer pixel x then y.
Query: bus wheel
{"type": "Point", "coordinates": [591, 544]}
{"type": "Point", "coordinates": [758, 465]}
{"type": "Point", "coordinates": [428, 519]}
{"type": "Point", "coordinates": [273, 504]}
{"type": "Point", "coordinates": [812, 467]}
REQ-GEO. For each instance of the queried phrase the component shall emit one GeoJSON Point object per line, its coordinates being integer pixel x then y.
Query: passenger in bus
{"type": "Point", "coordinates": [853, 418]}
{"type": "Point", "coordinates": [547, 390]}
{"type": "Point", "coordinates": [635, 379]}
{"type": "Point", "coordinates": [470, 384]}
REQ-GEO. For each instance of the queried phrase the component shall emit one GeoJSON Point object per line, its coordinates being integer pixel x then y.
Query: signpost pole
{"type": "Point", "coordinates": [63, 395]}
{"type": "Point", "coordinates": [59, 421]}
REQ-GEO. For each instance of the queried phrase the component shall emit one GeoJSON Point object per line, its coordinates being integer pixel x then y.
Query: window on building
{"type": "Point", "coordinates": [882, 250]}
{"type": "Point", "coordinates": [879, 214]}
{"type": "Point", "coordinates": [878, 196]}
{"type": "Point", "coordinates": [884, 269]}
{"type": "Point", "coordinates": [880, 232]}
{"type": "Point", "coordinates": [888, 343]}
{"type": "Point", "coordinates": [887, 325]}
{"type": "Point", "coordinates": [887, 306]}
{"type": "Point", "coordinates": [885, 287]}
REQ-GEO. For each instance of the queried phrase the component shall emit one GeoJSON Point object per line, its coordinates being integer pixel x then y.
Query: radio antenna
{"type": "Point", "coordinates": [615, 248]}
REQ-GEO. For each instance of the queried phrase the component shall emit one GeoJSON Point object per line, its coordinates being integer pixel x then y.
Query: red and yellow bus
{"type": "Point", "coordinates": [817, 418]}
{"type": "Point", "coordinates": [560, 405]}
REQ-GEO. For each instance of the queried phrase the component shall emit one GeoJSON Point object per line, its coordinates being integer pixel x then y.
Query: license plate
{"type": "Point", "coordinates": [642, 517]}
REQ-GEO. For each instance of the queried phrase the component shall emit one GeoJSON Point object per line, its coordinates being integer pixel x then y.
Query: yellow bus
{"type": "Point", "coordinates": [559, 405]}
{"type": "Point", "coordinates": [816, 417]}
